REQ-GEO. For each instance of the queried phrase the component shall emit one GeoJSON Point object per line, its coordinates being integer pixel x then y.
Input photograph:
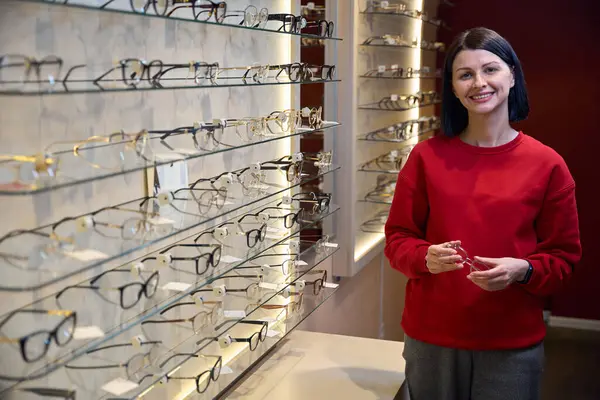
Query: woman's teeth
{"type": "Point", "coordinates": [481, 96]}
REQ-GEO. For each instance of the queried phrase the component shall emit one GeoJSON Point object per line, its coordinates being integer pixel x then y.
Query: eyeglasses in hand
{"type": "Point", "coordinates": [472, 263]}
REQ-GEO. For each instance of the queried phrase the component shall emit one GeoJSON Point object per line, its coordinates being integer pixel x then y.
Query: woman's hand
{"type": "Point", "coordinates": [502, 273]}
{"type": "Point", "coordinates": [442, 258]}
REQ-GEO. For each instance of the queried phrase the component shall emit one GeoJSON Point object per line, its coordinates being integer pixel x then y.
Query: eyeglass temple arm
{"type": "Point", "coordinates": [96, 278]}
{"type": "Point", "coordinates": [65, 313]}
{"type": "Point", "coordinates": [112, 346]}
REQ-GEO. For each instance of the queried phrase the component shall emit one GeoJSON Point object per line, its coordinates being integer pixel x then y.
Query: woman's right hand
{"type": "Point", "coordinates": [443, 258]}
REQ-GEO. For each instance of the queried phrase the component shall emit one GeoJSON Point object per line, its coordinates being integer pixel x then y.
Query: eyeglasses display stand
{"type": "Point", "coordinates": [157, 242]}
{"type": "Point", "coordinates": [391, 88]}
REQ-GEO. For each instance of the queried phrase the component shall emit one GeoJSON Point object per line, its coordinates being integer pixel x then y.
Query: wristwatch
{"type": "Point", "coordinates": [528, 274]}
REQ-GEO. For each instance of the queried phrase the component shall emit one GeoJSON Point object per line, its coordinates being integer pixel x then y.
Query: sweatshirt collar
{"type": "Point", "coordinates": [490, 150]}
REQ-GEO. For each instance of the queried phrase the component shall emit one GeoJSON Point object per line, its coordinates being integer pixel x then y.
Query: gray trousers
{"type": "Point", "coordinates": [441, 373]}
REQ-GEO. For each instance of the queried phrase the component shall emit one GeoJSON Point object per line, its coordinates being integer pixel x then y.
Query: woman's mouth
{"type": "Point", "coordinates": [481, 97]}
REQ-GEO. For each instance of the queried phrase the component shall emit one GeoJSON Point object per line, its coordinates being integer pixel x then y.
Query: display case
{"type": "Point", "coordinates": [157, 241]}
{"type": "Point", "coordinates": [388, 101]}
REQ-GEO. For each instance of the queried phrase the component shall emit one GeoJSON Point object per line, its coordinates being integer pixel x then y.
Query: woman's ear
{"type": "Point", "coordinates": [512, 77]}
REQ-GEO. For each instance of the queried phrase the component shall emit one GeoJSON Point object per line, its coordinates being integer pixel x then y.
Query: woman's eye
{"type": "Point", "coordinates": [465, 76]}
{"type": "Point", "coordinates": [491, 70]}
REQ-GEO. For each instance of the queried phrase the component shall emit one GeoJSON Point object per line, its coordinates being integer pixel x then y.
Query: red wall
{"type": "Point", "coordinates": [557, 43]}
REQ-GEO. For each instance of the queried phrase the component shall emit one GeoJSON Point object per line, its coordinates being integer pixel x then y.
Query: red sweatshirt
{"type": "Point", "coordinates": [515, 200]}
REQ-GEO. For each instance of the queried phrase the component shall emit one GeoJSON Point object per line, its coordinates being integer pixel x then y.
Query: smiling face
{"type": "Point", "coordinates": [481, 81]}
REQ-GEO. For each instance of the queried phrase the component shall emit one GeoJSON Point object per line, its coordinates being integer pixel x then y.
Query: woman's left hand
{"type": "Point", "coordinates": [502, 273]}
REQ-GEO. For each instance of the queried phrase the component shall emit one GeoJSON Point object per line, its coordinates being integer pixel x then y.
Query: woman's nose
{"type": "Point", "coordinates": [479, 82]}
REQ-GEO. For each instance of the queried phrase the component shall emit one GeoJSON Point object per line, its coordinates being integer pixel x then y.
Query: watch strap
{"type": "Point", "coordinates": [528, 274]}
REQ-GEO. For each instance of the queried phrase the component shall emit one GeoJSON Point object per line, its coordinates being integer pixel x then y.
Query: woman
{"type": "Point", "coordinates": [474, 324]}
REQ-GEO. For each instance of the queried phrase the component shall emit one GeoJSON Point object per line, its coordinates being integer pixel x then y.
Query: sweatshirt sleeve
{"type": "Point", "coordinates": [557, 227]}
{"type": "Point", "coordinates": [405, 228]}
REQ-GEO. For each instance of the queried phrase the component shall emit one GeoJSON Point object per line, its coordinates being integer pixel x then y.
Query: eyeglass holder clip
{"type": "Point", "coordinates": [226, 180]}
{"type": "Point", "coordinates": [300, 285]}
{"type": "Point", "coordinates": [219, 291]}
{"type": "Point", "coordinates": [286, 200]}
{"type": "Point", "coordinates": [165, 198]}
{"type": "Point", "coordinates": [255, 167]}
{"type": "Point", "coordinates": [84, 223]}
{"type": "Point", "coordinates": [221, 233]}
{"type": "Point", "coordinates": [225, 341]}
{"type": "Point", "coordinates": [165, 259]}
{"type": "Point", "coordinates": [294, 246]}
{"type": "Point", "coordinates": [263, 217]}
{"type": "Point", "coordinates": [297, 157]}
{"type": "Point", "coordinates": [137, 341]}
{"type": "Point", "coordinates": [136, 268]}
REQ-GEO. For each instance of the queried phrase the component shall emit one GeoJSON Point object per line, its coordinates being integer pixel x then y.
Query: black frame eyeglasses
{"type": "Point", "coordinates": [46, 70]}
{"type": "Point", "coordinates": [253, 236]}
{"type": "Point", "coordinates": [290, 23]}
{"type": "Point", "coordinates": [319, 201]}
{"type": "Point", "coordinates": [199, 321]}
{"type": "Point", "coordinates": [284, 266]}
{"type": "Point", "coordinates": [323, 27]}
{"type": "Point", "coordinates": [130, 294]}
{"type": "Point", "coordinates": [41, 339]}
{"type": "Point", "coordinates": [203, 10]}
{"type": "Point", "coordinates": [202, 261]}
{"type": "Point", "coordinates": [253, 340]}
{"type": "Point", "coordinates": [253, 290]}
{"type": "Point", "coordinates": [289, 219]}
{"type": "Point", "coordinates": [203, 379]}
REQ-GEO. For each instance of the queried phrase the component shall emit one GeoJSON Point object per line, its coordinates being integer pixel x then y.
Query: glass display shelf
{"type": "Point", "coordinates": [242, 363]}
{"type": "Point", "coordinates": [153, 387]}
{"type": "Point", "coordinates": [397, 46]}
{"type": "Point", "coordinates": [394, 140]}
{"type": "Point", "coordinates": [178, 287]}
{"type": "Point", "coordinates": [400, 14]}
{"type": "Point", "coordinates": [368, 242]}
{"type": "Point", "coordinates": [378, 200]}
{"type": "Point", "coordinates": [91, 247]}
{"type": "Point", "coordinates": [398, 77]}
{"type": "Point", "coordinates": [123, 7]}
{"type": "Point", "coordinates": [32, 88]}
{"type": "Point", "coordinates": [82, 168]}
{"type": "Point", "coordinates": [371, 230]}
{"type": "Point", "coordinates": [373, 106]}
{"type": "Point", "coordinates": [379, 170]}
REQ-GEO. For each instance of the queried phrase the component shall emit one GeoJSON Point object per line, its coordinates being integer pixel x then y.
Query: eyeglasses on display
{"type": "Point", "coordinates": [253, 341]}
{"type": "Point", "coordinates": [390, 163]}
{"type": "Point", "coordinates": [375, 224]}
{"type": "Point", "coordinates": [130, 294]}
{"type": "Point", "coordinates": [262, 216]}
{"type": "Point", "coordinates": [383, 191]}
{"type": "Point", "coordinates": [395, 71]}
{"type": "Point", "coordinates": [313, 203]}
{"type": "Point", "coordinates": [136, 73]}
{"type": "Point", "coordinates": [134, 366]}
{"type": "Point", "coordinates": [199, 321]}
{"type": "Point", "coordinates": [204, 378]}
{"type": "Point", "coordinates": [34, 346]}
{"type": "Point", "coordinates": [404, 130]}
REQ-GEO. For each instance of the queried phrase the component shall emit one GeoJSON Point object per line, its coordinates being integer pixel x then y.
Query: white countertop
{"type": "Point", "coordinates": [320, 366]}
